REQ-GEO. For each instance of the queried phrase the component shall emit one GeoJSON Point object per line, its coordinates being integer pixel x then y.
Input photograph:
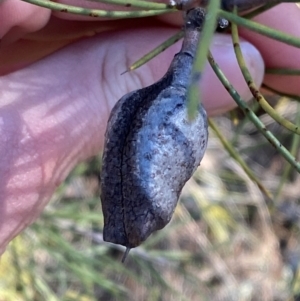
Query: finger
{"type": "Point", "coordinates": [57, 34]}
{"type": "Point", "coordinates": [214, 96]}
{"type": "Point", "coordinates": [286, 18]}
{"type": "Point", "coordinates": [18, 18]}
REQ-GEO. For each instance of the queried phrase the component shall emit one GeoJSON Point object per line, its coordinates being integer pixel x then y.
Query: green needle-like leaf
{"type": "Point", "coordinates": [97, 13]}
{"type": "Point", "coordinates": [254, 90]}
{"type": "Point", "coordinates": [209, 28]}
{"type": "Point", "coordinates": [261, 29]}
{"type": "Point", "coordinates": [235, 155]}
{"type": "Point", "coordinates": [248, 112]}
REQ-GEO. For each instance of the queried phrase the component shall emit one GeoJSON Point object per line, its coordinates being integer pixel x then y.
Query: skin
{"type": "Point", "coordinates": [60, 78]}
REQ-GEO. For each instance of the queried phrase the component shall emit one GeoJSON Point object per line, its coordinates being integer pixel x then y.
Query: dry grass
{"type": "Point", "coordinates": [225, 241]}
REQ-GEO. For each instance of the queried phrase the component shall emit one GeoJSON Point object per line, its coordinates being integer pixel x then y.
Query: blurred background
{"type": "Point", "coordinates": [226, 241]}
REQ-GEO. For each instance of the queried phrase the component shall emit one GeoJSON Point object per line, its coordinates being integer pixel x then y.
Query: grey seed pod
{"type": "Point", "coordinates": [152, 149]}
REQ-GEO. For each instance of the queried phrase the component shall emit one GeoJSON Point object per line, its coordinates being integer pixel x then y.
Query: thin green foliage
{"type": "Point", "coordinates": [261, 29]}
{"type": "Point", "coordinates": [159, 49]}
{"type": "Point", "coordinates": [254, 90]}
{"type": "Point", "coordinates": [283, 71]}
{"type": "Point", "coordinates": [97, 13]}
{"type": "Point", "coordinates": [209, 28]}
{"type": "Point", "coordinates": [63, 256]}
{"type": "Point", "coordinates": [235, 155]}
{"type": "Point", "coordinates": [256, 121]}
{"type": "Point", "coordinates": [137, 3]}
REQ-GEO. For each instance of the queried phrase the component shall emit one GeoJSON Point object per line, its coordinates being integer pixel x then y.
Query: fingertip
{"type": "Point", "coordinates": [285, 18]}
{"type": "Point", "coordinates": [18, 18]}
{"type": "Point", "coordinates": [216, 99]}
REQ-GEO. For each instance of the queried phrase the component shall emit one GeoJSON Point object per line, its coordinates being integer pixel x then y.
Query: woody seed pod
{"type": "Point", "coordinates": [152, 149]}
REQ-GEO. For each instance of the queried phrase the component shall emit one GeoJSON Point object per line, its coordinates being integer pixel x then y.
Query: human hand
{"type": "Point", "coordinates": [58, 87]}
